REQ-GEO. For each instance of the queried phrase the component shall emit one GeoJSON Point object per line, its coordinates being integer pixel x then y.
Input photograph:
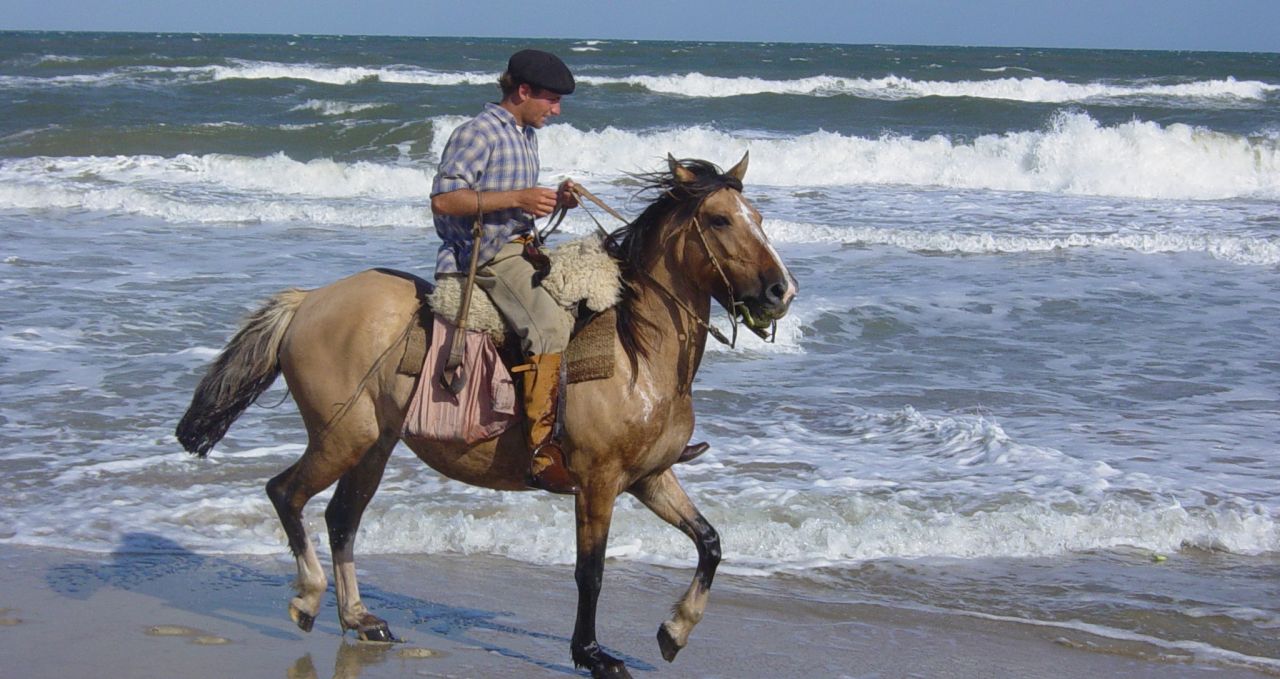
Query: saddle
{"type": "Point", "coordinates": [589, 356]}
{"type": "Point", "coordinates": [582, 277]}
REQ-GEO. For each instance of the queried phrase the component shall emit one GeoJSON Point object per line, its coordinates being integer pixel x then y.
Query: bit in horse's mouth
{"type": "Point", "coordinates": [759, 324]}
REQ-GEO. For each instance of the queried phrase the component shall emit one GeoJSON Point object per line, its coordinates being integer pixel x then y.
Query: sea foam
{"type": "Point", "coordinates": [335, 108]}
{"type": "Point", "coordinates": [1073, 154]}
{"type": "Point", "coordinates": [345, 75]}
{"type": "Point", "coordinates": [763, 529]}
{"type": "Point", "coordinates": [894, 88]}
{"type": "Point", "coordinates": [888, 484]}
{"type": "Point", "coordinates": [1255, 251]}
{"type": "Point", "coordinates": [1217, 92]}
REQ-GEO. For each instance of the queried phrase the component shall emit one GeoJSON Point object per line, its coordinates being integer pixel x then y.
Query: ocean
{"type": "Point", "coordinates": [1032, 374]}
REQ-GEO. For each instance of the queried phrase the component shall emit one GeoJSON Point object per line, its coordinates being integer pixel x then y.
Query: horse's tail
{"type": "Point", "coordinates": [245, 368]}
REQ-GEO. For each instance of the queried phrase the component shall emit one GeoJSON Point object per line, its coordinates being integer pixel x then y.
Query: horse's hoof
{"type": "Point", "coordinates": [667, 644]}
{"type": "Point", "coordinates": [305, 620]}
{"type": "Point", "coordinates": [610, 670]}
{"type": "Point", "coordinates": [379, 633]}
{"type": "Point", "coordinates": [372, 628]}
{"type": "Point", "coordinates": [602, 664]}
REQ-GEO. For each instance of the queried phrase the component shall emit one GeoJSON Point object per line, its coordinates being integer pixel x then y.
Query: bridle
{"type": "Point", "coordinates": [737, 308]}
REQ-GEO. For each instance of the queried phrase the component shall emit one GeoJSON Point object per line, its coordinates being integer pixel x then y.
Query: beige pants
{"type": "Point", "coordinates": [542, 325]}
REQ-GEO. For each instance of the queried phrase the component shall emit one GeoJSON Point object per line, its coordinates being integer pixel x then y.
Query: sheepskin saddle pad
{"type": "Point", "coordinates": [582, 273]}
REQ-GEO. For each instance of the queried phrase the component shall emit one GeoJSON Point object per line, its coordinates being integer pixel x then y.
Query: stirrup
{"type": "Point", "coordinates": [692, 451]}
{"type": "Point", "coordinates": [548, 472]}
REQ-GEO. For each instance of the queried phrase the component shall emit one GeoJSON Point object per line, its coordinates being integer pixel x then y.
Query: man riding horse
{"type": "Point", "coordinates": [700, 242]}
{"type": "Point", "coordinates": [488, 174]}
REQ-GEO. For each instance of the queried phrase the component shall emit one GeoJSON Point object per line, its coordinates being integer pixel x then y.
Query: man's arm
{"type": "Point", "coordinates": [537, 201]}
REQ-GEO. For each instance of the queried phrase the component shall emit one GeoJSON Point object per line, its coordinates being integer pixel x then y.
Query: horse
{"type": "Point", "coordinates": [699, 240]}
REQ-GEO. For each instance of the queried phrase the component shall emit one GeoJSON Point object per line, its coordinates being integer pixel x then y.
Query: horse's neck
{"type": "Point", "coordinates": [678, 313]}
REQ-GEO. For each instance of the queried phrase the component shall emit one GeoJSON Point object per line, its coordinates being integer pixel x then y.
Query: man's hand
{"type": "Point", "coordinates": [568, 198]}
{"type": "Point", "coordinates": [537, 201]}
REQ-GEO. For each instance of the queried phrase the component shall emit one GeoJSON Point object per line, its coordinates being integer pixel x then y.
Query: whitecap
{"type": "Point", "coordinates": [894, 88]}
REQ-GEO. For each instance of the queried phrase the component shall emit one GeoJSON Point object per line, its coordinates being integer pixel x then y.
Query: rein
{"type": "Point", "coordinates": [738, 308]}
{"type": "Point", "coordinates": [558, 215]}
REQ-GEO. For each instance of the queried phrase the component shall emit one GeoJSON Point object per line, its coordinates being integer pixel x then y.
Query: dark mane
{"type": "Point", "coordinates": [633, 245]}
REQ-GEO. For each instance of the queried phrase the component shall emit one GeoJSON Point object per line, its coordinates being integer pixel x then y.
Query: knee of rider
{"type": "Point", "coordinates": [550, 338]}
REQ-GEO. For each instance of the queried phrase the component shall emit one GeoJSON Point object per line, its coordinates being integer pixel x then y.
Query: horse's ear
{"type": "Point", "coordinates": [680, 172]}
{"type": "Point", "coordinates": [740, 170]}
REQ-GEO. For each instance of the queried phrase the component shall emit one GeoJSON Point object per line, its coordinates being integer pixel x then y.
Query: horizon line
{"type": "Point", "coordinates": [633, 40]}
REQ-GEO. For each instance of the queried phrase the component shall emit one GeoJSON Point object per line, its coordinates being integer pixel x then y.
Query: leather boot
{"type": "Point", "coordinates": [547, 470]}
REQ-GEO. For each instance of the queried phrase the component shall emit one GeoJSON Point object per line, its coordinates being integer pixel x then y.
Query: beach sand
{"type": "Point", "coordinates": [137, 615]}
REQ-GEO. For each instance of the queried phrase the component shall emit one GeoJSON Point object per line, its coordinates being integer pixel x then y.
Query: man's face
{"type": "Point", "coordinates": [538, 105]}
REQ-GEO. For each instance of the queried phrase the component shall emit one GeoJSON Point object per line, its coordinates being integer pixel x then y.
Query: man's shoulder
{"type": "Point", "coordinates": [483, 125]}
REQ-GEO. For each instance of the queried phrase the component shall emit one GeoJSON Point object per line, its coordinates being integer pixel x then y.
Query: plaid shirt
{"type": "Point", "coordinates": [487, 153]}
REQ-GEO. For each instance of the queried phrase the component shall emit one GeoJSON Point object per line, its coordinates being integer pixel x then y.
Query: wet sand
{"type": "Point", "coordinates": [179, 614]}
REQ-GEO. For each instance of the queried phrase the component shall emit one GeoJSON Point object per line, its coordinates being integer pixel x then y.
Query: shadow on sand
{"type": "Point", "coordinates": [225, 590]}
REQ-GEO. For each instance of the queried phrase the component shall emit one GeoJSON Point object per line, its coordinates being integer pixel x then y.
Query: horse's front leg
{"type": "Point", "coordinates": [662, 493]}
{"type": "Point", "coordinates": [594, 508]}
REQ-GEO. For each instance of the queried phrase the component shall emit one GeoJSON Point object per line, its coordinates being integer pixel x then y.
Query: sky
{"type": "Point", "coordinates": [1218, 25]}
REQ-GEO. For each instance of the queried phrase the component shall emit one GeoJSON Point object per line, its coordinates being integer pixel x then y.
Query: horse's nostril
{"type": "Point", "coordinates": [777, 292]}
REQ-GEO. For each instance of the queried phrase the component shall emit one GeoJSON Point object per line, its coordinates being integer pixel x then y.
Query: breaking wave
{"type": "Point", "coordinates": [853, 513]}
{"type": "Point", "coordinates": [1217, 92]}
{"type": "Point", "coordinates": [1034, 89]}
{"type": "Point", "coordinates": [1073, 154]}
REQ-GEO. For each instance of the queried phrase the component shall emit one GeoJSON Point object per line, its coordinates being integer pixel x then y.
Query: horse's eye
{"type": "Point", "coordinates": [720, 221]}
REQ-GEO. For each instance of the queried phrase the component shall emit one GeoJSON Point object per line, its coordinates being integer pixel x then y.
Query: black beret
{"type": "Point", "coordinates": [541, 69]}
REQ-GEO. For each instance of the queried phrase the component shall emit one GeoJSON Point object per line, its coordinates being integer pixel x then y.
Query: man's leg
{"type": "Point", "coordinates": [543, 327]}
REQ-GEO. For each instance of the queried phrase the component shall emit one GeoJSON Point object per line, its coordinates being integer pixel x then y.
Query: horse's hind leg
{"type": "Point", "coordinates": [355, 490]}
{"type": "Point", "coordinates": [663, 494]}
{"type": "Point", "coordinates": [328, 456]}
{"type": "Point", "coordinates": [289, 492]}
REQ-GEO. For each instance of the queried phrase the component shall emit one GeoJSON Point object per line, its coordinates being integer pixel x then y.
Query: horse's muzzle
{"type": "Point", "coordinates": [773, 302]}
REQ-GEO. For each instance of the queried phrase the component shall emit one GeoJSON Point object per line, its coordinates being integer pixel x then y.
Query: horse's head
{"type": "Point", "coordinates": [726, 249]}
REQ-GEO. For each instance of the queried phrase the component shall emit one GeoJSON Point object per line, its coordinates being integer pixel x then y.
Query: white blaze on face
{"type": "Point", "coordinates": [749, 216]}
